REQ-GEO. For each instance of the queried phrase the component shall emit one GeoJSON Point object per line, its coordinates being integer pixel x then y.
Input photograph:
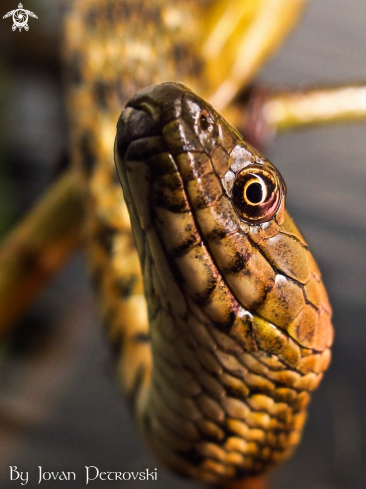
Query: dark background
{"type": "Point", "coordinates": [60, 406]}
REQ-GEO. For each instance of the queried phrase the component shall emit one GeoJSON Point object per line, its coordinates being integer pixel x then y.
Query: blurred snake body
{"type": "Point", "coordinates": [219, 359]}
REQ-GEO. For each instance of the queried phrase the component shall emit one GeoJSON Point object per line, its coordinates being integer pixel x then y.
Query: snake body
{"type": "Point", "coordinates": [237, 330]}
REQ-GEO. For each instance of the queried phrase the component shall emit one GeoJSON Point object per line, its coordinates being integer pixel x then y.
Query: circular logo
{"type": "Point", "coordinates": [20, 19]}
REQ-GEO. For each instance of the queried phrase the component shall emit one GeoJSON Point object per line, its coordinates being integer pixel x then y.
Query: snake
{"type": "Point", "coordinates": [212, 302]}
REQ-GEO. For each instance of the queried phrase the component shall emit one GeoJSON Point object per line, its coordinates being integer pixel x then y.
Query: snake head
{"type": "Point", "coordinates": [230, 201]}
{"type": "Point", "coordinates": [221, 259]}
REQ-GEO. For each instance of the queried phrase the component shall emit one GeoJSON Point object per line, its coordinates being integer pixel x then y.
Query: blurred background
{"type": "Point", "coordinates": [60, 405]}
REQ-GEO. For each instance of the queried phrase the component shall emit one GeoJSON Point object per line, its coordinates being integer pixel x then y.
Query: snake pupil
{"type": "Point", "coordinates": [254, 193]}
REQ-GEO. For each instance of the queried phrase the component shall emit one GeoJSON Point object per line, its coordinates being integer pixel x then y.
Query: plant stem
{"type": "Point", "coordinates": [38, 247]}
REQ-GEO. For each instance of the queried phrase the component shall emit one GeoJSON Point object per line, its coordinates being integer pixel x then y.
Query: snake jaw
{"type": "Point", "coordinates": [251, 288]}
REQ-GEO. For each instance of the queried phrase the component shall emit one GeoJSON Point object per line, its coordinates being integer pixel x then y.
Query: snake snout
{"type": "Point", "coordinates": [148, 112]}
{"type": "Point", "coordinates": [134, 123]}
{"type": "Point", "coordinates": [162, 102]}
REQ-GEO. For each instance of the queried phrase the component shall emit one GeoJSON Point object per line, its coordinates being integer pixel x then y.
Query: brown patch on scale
{"type": "Point", "coordinates": [162, 163]}
{"type": "Point", "coordinates": [240, 261]}
{"type": "Point", "coordinates": [200, 276]}
{"type": "Point", "coordinates": [218, 220]}
{"type": "Point", "coordinates": [204, 297]}
{"type": "Point", "coordinates": [173, 267]}
{"type": "Point", "coordinates": [242, 331]}
{"type": "Point", "coordinates": [316, 294]}
{"type": "Point", "coordinates": [171, 199]}
{"type": "Point", "coordinates": [204, 192]}
{"type": "Point", "coordinates": [185, 247]}
{"type": "Point", "coordinates": [170, 203]}
{"type": "Point", "coordinates": [194, 165]}
{"type": "Point", "coordinates": [145, 148]}
{"type": "Point", "coordinates": [251, 284]}
{"type": "Point", "coordinates": [226, 324]}
{"type": "Point", "coordinates": [171, 181]}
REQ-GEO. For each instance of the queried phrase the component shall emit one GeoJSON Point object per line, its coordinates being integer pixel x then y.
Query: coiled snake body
{"type": "Point", "coordinates": [239, 319]}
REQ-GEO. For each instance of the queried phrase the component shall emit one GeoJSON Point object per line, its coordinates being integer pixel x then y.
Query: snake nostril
{"type": "Point", "coordinates": [148, 108]}
{"type": "Point", "coordinates": [146, 104]}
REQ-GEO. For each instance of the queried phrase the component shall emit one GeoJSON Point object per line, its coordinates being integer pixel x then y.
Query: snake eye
{"type": "Point", "coordinates": [257, 193]}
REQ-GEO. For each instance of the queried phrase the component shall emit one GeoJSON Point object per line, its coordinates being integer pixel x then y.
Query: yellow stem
{"type": "Point", "coordinates": [37, 248]}
{"type": "Point", "coordinates": [250, 32]}
{"type": "Point", "coordinates": [290, 110]}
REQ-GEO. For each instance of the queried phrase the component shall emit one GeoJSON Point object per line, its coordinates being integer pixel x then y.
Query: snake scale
{"type": "Point", "coordinates": [218, 367]}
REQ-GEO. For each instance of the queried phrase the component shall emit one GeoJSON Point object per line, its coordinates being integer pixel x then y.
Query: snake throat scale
{"type": "Point", "coordinates": [214, 305]}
